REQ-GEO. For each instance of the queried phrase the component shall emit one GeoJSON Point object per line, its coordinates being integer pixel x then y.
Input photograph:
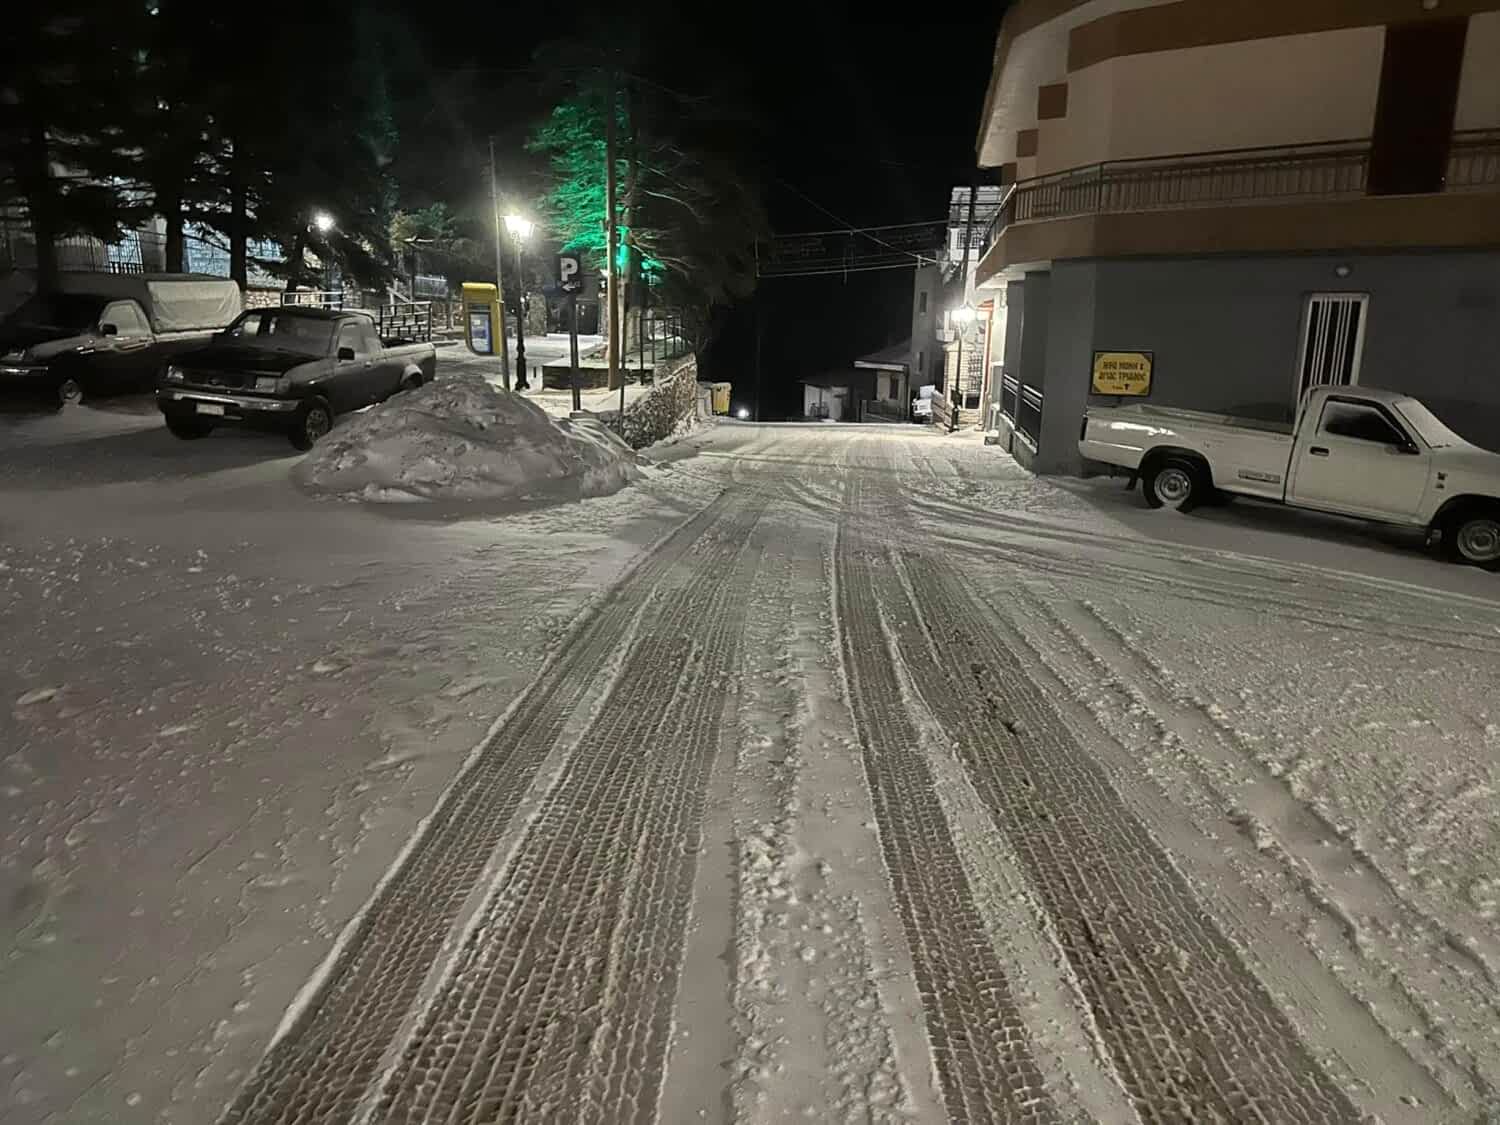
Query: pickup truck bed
{"type": "Point", "coordinates": [1246, 455]}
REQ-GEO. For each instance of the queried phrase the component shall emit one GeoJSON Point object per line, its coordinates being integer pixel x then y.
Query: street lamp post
{"type": "Point", "coordinates": [520, 230]}
{"type": "Point", "coordinates": [963, 316]}
{"type": "Point", "coordinates": [323, 223]}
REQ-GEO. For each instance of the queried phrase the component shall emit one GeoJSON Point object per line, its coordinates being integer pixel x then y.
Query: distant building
{"type": "Point", "coordinates": [874, 388]}
{"type": "Point", "coordinates": [963, 352]}
{"type": "Point", "coordinates": [1246, 198]}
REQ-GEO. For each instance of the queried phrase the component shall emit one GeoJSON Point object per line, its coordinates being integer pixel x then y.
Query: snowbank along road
{"type": "Point", "coordinates": [868, 779]}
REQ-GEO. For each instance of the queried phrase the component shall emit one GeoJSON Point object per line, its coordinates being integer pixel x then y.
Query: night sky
{"type": "Point", "coordinates": [872, 120]}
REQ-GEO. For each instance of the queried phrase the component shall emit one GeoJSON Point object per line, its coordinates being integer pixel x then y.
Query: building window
{"type": "Point", "coordinates": [922, 302]}
{"type": "Point", "coordinates": [1333, 337]}
{"type": "Point", "coordinates": [921, 362]}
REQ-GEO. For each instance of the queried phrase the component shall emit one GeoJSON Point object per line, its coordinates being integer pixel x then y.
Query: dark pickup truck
{"type": "Point", "coordinates": [98, 334]}
{"type": "Point", "coordinates": [290, 369]}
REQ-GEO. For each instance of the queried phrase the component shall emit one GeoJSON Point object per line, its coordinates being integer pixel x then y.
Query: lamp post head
{"type": "Point", "coordinates": [963, 315]}
{"type": "Point", "coordinates": [519, 226]}
{"type": "Point", "coordinates": [323, 221]}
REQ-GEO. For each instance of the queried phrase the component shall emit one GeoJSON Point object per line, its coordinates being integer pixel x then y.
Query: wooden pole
{"type": "Point", "coordinates": [611, 240]}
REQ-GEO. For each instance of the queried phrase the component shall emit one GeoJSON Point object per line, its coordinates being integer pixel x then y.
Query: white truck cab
{"type": "Point", "coordinates": [1373, 454]}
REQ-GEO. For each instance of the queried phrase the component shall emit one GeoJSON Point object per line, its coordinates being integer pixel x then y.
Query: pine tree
{"type": "Point", "coordinates": [65, 155]}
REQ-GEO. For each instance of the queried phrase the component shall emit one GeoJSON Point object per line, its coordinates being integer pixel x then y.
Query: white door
{"type": "Point", "coordinates": [1361, 460]}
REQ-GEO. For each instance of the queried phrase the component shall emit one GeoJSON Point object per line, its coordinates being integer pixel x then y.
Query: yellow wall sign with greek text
{"type": "Point", "coordinates": [1122, 373]}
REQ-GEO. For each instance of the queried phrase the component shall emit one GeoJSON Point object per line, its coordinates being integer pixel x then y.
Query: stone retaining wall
{"type": "Point", "coordinates": [672, 399]}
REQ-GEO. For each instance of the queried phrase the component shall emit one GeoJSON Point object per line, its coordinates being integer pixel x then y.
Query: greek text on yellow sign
{"type": "Point", "coordinates": [1122, 373]}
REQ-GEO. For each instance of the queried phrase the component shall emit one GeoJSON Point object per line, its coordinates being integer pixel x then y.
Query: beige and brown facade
{"type": "Point", "coordinates": [1260, 195]}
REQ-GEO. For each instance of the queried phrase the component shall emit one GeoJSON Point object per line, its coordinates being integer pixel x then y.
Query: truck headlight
{"type": "Point", "coordinates": [269, 385]}
{"type": "Point", "coordinates": [175, 374]}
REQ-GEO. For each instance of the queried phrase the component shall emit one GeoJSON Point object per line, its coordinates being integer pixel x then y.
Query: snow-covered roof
{"type": "Point", "coordinates": [894, 358]}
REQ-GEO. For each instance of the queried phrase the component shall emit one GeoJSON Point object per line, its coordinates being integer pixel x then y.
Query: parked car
{"type": "Point", "coordinates": [102, 334]}
{"type": "Point", "coordinates": [291, 369]}
{"type": "Point", "coordinates": [1376, 455]}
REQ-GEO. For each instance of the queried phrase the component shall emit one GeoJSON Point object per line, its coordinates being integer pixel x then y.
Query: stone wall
{"type": "Point", "coordinates": [672, 399]}
{"type": "Point", "coordinates": [262, 298]}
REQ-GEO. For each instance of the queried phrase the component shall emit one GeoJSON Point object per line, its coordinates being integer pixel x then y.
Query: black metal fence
{"type": "Point", "coordinates": [1029, 414]}
{"type": "Point", "coordinates": [1010, 396]}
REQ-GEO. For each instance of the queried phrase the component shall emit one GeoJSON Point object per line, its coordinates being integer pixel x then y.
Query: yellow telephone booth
{"type": "Point", "coordinates": [482, 324]}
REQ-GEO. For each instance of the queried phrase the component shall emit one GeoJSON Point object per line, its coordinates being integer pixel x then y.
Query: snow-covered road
{"type": "Point", "coordinates": [829, 773]}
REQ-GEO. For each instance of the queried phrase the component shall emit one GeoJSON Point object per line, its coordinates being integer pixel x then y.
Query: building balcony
{"type": "Point", "coordinates": [1299, 197]}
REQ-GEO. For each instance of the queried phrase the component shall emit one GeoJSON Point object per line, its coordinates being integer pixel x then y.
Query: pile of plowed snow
{"type": "Point", "coordinates": [458, 438]}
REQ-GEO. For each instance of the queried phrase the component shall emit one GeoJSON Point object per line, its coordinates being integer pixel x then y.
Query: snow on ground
{"type": "Point", "coordinates": [229, 703]}
{"type": "Point", "coordinates": [225, 706]}
{"type": "Point", "coordinates": [1319, 693]}
{"type": "Point", "coordinates": [459, 438]}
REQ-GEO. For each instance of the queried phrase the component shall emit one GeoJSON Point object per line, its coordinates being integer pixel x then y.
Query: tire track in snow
{"type": "Point", "coordinates": [1365, 911]}
{"type": "Point", "coordinates": [1218, 577]}
{"type": "Point", "coordinates": [814, 1035]}
{"type": "Point", "coordinates": [1192, 1033]}
{"type": "Point", "coordinates": [330, 1047]}
{"type": "Point", "coordinates": [561, 1000]}
{"type": "Point", "coordinates": [1361, 1013]}
{"type": "Point", "coordinates": [979, 1040]}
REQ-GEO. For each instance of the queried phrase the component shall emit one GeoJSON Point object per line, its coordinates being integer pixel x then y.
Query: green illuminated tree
{"type": "Point", "coordinates": [689, 209]}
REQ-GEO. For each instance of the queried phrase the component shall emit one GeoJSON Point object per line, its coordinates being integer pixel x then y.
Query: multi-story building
{"type": "Point", "coordinates": [1248, 199]}
{"type": "Point", "coordinates": [944, 352]}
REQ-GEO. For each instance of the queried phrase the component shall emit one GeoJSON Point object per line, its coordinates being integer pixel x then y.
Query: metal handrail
{"type": "Point", "coordinates": [1323, 170]}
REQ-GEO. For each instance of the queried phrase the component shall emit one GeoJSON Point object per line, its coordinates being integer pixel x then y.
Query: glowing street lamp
{"type": "Point", "coordinates": [323, 221]}
{"type": "Point", "coordinates": [520, 229]}
{"type": "Point", "coordinates": [963, 317]}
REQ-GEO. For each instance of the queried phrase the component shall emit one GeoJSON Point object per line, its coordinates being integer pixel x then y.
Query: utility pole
{"type": "Point", "coordinates": [611, 240]}
{"type": "Point", "coordinates": [758, 335]}
{"type": "Point", "coordinates": [499, 281]}
{"type": "Point", "coordinates": [521, 381]}
{"type": "Point", "coordinates": [573, 380]}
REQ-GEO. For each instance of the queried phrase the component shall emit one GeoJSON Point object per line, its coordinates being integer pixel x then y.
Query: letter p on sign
{"type": "Point", "coordinates": [567, 271]}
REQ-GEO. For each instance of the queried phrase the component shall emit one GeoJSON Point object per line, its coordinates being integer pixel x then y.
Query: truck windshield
{"type": "Point", "coordinates": [74, 313]}
{"type": "Point", "coordinates": [1426, 423]}
{"type": "Point", "coordinates": [284, 331]}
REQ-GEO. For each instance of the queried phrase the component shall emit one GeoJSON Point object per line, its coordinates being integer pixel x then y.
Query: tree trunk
{"type": "Point", "coordinates": [632, 271]}
{"type": "Point", "coordinates": [170, 206]}
{"type": "Point", "coordinates": [41, 204]}
{"type": "Point", "coordinates": [238, 240]}
{"type": "Point", "coordinates": [297, 262]}
{"type": "Point", "coordinates": [611, 237]}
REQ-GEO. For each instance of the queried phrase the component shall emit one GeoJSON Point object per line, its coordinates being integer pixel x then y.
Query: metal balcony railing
{"type": "Point", "coordinates": [1291, 173]}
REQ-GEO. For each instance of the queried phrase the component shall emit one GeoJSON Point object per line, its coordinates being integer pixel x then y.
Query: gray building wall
{"type": "Point", "coordinates": [925, 361]}
{"type": "Point", "coordinates": [1032, 370]}
{"type": "Point", "coordinates": [1225, 334]}
{"type": "Point", "coordinates": [1015, 319]}
{"type": "Point", "coordinates": [1071, 304]}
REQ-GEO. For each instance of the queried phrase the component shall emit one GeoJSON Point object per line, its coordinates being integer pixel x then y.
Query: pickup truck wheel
{"type": "Point", "coordinates": [69, 393]}
{"type": "Point", "coordinates": [1174, 482]}
{"type": "Point", "coordinates": [410, 383]}
{"type": "Point", "coordinates": [312, 423]}
{"type": "Point", "coordinates": [1473, 538]}
{"type": "Point", "coordinates": [187, 427]}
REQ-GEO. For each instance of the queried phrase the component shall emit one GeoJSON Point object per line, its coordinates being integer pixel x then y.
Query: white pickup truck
{"type": "Point", "coordinates": [1376, 455]}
